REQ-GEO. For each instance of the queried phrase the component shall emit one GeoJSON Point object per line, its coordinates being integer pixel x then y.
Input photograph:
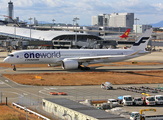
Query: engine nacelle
{"type": "Point", "coordinates": [70, 64]}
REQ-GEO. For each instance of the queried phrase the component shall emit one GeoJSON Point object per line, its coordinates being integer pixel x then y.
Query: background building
{"type": "Point", "coordinates": [114, 20]}
{"type": "Point", "coordinates": [141, 28]}
{"type": "Point", "coordinates": [121, 20]}
{"type": "Point", "coordinates": [97, 20]}
{"type": "Point", "coordinates": [10, 11]}
{"type": "Point", "coordinates": [100, 20]}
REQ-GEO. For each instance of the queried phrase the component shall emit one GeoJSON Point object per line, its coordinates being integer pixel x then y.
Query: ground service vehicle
{"type": "Point", "coordinates": [149, 100]}
{"type": "Point", "coordinates": [159, 99]}
{"type": "Point", "coordinates": [125, 100]}
{"type": "Point", "coordinates": [107, 86]}
{"type": "Point", "coordinates": [113, 102]}
{"type": "Point", "coordinates": [140, 116]}
{"type": "Point", "coordinates": [138, 101]}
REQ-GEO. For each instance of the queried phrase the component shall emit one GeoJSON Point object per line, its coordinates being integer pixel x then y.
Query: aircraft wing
{"type": "Point", "coordinates": [92, 58]}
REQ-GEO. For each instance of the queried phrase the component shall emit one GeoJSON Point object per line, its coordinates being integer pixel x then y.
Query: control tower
{"type": "Point", "coordinates": [10, 11]}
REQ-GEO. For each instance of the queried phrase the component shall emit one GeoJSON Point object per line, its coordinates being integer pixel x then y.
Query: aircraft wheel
{"type": "Point", "coordinates": [82, 68]}
{"type": "Point", "coordinates": [87, 68]}
{"type": "Point", "coordinates": [79, 67]}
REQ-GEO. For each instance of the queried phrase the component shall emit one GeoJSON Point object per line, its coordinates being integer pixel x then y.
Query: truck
{"type": "Point", "coordinates": [138, 101]}
{"type": "Point", "coordinates": [159, 99]}
{"type": "Point", "coordinates": [107, 86]}
{"type": "Point", "coordinates": [149, 100]}
{"type": "Point", "coordinates": [140, 116]}
{"type": "Point", "coordinates": [125, 100]}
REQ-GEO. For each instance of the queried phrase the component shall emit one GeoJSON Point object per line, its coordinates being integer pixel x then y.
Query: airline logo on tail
{"type": "Point", "coordinates": [125, 35]}
{"type": "Point", "coordinates": [142, 40]}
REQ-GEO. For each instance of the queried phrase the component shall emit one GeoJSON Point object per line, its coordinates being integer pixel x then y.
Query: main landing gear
{"type": "Point", "coordinates": [14, 68]}
{"type": "Point", "coordinates": [83, 68]}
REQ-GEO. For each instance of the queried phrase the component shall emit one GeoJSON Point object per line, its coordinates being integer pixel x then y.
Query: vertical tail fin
{"type": "Point", "coordinates": [142, 42]}
{"type": "Point", "coordinates": [125, 35]}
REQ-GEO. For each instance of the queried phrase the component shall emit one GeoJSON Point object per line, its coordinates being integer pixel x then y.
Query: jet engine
{"type": "Point", "coordinates": [70, 64]}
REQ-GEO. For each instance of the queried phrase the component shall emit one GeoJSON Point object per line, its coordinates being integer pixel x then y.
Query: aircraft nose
{"type": "Point", "coordinates": [6, 60]}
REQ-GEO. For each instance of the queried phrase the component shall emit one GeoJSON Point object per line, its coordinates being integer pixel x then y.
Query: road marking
{"type": "Point", "coordinates": [6, 80]}
{"type": "Point", "coordinates": [70, 88]}
{"type": "Point", "coordinates": [25, 94]}
{"type": "Point", "coordinates": [53, 88]}
{"type": "Point", "coordinates": [46, 88]}
{"type": "Point", "coordinates": [20, 96]}
{"type": "Point", "coordinates": [42, 92]}
{"type": "Point", "coordinates": [22, 90]}
{"type": "Point", "coordinates": [1, 82]}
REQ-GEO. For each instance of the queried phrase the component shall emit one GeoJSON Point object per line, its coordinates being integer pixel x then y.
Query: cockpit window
{"type": "Point", "coordinates": [11, 55]}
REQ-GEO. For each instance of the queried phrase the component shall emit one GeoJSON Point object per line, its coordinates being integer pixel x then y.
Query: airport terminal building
{"type": "Point", "coordinates": [53, 39]}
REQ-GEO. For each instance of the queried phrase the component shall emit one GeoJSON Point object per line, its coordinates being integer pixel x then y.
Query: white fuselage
{"type": "Point", "coordinates": [53, 56]}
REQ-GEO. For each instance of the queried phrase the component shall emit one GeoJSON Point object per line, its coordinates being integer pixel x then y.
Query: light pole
{"type": "Point", "coordinates": [25, 108]}
{"type": "Point", "coordinates": [15, 32]}
{"type": "Point", "coordinates": [53, 23]}
{"type": "Point", "coordinates": [73, 24]}
{"type": "Point", "coordinates": [136, 26]}
{"type": "Point", "coordinates": [30, 27]}
{"type": "Point", "coordinates": [75, 19]}
{"type": "Point", "coordinates": [104, 26]}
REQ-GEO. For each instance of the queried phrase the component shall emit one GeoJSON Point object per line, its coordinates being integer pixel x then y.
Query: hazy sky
{"type": "Point", "coordinates": [63, 11]}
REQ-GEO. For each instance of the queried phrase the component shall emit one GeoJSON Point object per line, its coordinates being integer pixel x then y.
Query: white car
{"type": "Point", "coordinates": [113, 102]}
{"type": "Point", "coordinates": [107, 86]}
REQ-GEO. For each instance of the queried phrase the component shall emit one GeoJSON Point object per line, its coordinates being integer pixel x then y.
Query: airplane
{"type": "Point", "coordinates": [125, 35]}
{"type": "Point", "coordinates": [79, 58]}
